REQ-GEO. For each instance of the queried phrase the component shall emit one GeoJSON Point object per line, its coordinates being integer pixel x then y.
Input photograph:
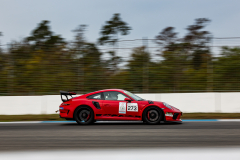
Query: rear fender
{"type": "Point", "coordinates": [81, 106]}
{"type": "Point", "coordinates": [90, 104]}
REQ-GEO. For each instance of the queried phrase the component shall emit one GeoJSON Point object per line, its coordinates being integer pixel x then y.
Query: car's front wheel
{"type": "Point", "coordinates": [84, 115]}
{"type": "Point", "coordinates": [152, 115]}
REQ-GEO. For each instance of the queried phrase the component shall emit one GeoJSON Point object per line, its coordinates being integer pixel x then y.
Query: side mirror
{"type": "Point", "coordinates": [127, 99]}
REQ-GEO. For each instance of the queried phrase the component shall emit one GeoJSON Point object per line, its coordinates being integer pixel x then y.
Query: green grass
{"type": "Point", "coordinates": [55, 117]}
{"type": "Point", "coordinates": [210, 116]}
{"type": "Point", "coordinates": [41, 117]}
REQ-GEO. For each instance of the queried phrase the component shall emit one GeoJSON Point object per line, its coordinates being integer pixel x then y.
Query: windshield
{"type": "Point", "coordinates": [133, 96]}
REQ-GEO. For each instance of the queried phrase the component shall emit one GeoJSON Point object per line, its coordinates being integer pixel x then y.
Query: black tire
{"type": "Point", "coordinates": [84, 115]}
{"type": "Point", "coordinates": [152, 115]}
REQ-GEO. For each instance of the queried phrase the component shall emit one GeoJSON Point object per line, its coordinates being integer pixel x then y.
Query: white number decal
{"type": "Point", "coordinates": [132, 107]}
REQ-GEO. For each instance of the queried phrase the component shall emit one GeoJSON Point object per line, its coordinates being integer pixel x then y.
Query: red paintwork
{"type": "Point", "coordinates": [110, 108]}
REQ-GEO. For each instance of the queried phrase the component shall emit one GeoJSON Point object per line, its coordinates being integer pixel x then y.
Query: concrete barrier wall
{"type": "Point", "coordinates": [186, 102]}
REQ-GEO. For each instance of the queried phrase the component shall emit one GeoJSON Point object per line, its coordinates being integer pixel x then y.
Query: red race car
{"type": "Point", "coordinates": [115, 105]}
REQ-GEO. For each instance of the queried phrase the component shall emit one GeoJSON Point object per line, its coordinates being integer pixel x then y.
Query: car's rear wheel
{"type": "Point", "coordinates": [84, 115]}
{"type": "Point", "coordinates": [152, 115]}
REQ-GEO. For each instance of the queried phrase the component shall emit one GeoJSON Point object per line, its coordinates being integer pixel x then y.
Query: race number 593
{"type": "Point", "coordinates": [132, 107]}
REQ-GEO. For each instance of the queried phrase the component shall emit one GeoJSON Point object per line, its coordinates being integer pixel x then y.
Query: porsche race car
{"type": "Point", "coordinates": [115, 105]}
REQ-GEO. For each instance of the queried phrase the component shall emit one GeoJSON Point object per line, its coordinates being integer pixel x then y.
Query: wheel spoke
{"type": "Point", "coordinates": [152, 115]}
{"type": "Point", "coordinates": [84, 115]}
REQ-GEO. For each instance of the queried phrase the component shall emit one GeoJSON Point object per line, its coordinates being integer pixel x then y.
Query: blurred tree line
{"type": "Point", "coordinates": [45, 63]}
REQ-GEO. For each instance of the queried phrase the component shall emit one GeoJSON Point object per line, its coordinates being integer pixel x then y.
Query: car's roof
{"type": "Point", "coordinates": [104, 90]}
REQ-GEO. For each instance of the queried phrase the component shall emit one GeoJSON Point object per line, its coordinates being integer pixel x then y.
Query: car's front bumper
{"type": "Point", "coordinates": [175, 117]}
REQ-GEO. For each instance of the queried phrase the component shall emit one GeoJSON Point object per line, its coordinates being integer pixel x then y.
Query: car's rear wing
{"type": "Point", "coordinates": [66, 94]}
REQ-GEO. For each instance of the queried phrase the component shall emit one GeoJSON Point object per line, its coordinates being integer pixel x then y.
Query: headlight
{"type": "Point", "coordinates": [169, 114]}
{"type": "Point", "coordinates": [167, 105]}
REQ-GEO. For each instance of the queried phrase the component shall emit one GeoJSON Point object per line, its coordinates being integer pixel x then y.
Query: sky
{"type": "Point", "coordinates": [146, 17]}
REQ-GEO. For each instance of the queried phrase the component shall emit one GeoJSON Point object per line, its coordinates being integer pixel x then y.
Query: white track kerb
{"type": "Point", "coordinates": [187, 120]}
{"type": "Point", "coordinates": [128, 154]}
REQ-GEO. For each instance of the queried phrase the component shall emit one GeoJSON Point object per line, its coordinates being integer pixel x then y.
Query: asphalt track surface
{"type": "Point", "coordinates": [54, 136]}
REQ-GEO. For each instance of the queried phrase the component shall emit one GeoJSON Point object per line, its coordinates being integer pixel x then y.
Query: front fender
{"type": "Point", "coordinates": [161, 107]}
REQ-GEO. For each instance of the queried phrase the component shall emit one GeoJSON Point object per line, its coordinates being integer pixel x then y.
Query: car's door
{"type": "Point", "coordinates": [114, 103]}
{"type": "Point", "coordinates": [133, 108]}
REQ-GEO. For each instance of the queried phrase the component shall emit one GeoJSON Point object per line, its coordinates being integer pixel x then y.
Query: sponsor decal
{"type": "Point", "coordinates": [122, 107]}
{"type": "Point", "coordinates": [61, 108]}
{"type": "Point", "coordinates": [133, 107]}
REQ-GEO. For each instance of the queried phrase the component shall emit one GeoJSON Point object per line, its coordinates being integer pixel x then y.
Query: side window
{"type": "Point", "coordinates": [112, 95]}
{"type": "Point", "coordinates": [95, 96]}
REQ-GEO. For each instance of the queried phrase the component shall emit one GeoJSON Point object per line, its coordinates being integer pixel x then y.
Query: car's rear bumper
{"type": "Point", "coordinates": [65, 114]}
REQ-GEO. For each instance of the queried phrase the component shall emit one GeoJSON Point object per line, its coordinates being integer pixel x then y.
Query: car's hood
{"type": "Point", "coordinates": [159, 103]}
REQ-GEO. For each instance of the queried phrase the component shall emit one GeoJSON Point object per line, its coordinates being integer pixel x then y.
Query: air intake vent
{"type": "Point", "coordinates": [96, 104]}
{"type": "Point", "coordinates": [175, 115]}
{"type": "Point", "coordinates": [150, 102]}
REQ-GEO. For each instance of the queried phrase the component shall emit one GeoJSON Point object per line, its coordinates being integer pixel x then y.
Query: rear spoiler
{"type": "Point", "coordinates": [66, 94]}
